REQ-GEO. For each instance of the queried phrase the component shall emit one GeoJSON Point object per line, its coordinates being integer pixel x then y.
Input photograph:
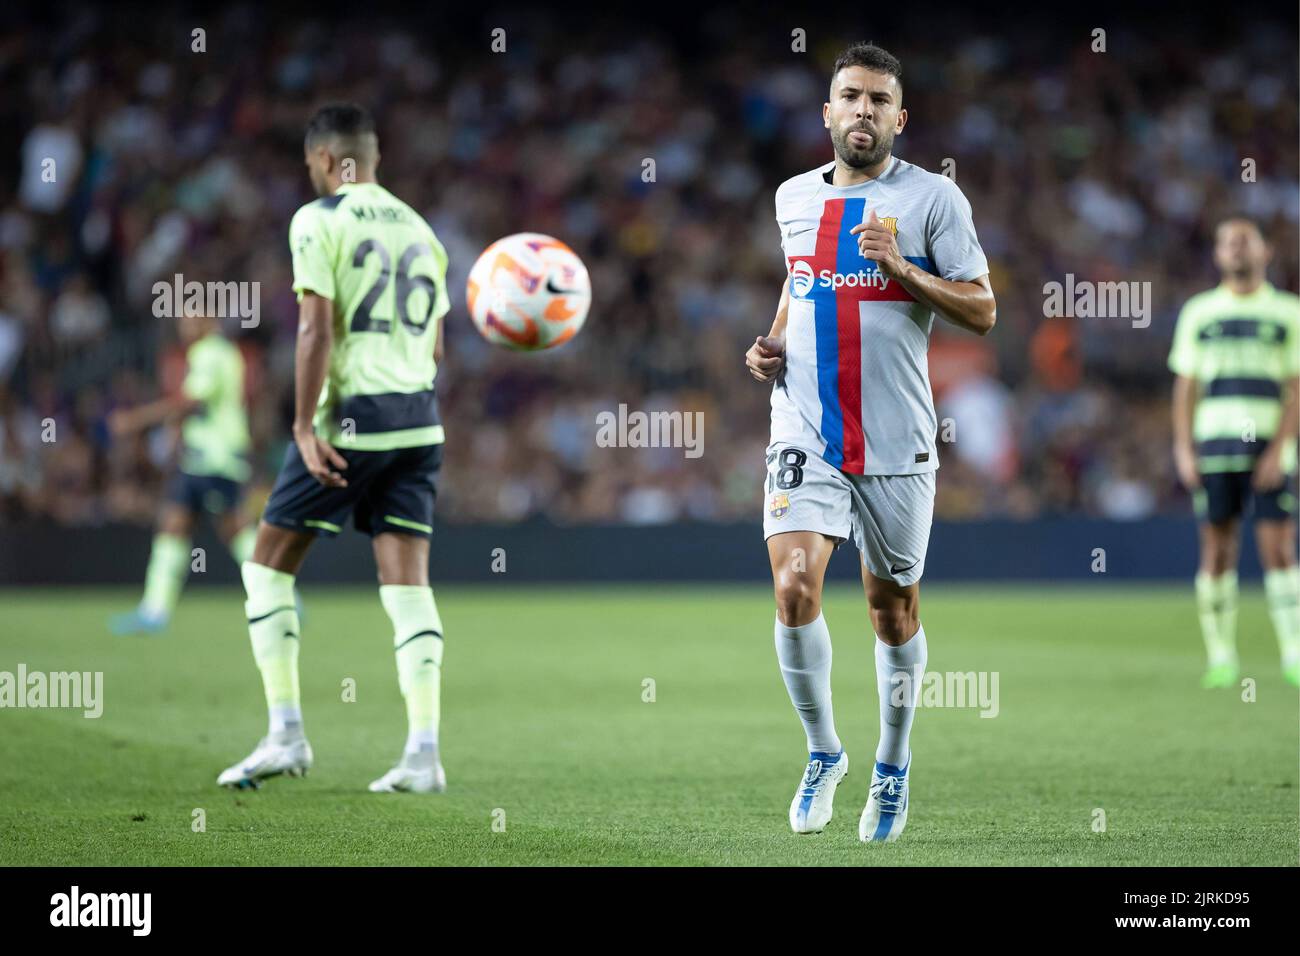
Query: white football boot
{"type": "Point", "coordinates": [885, 814]}
{"type": "Point", "coordinates": [269, 758]}
{"type": "Point", "coordinates": [811, 809]}
{"type": "Point", "coordinates": [412, 775]}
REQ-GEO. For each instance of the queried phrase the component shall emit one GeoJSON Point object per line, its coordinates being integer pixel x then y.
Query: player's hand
{"type": "Point", "coordinates": [765, 357]}
{"type": "Point", "coordinates": [119, 423]}
{"type": "Point", "coordinates": [1268, 469]}
{"type": "Point", "coordinates": [1185, 462]}
{"type": "Point", "coordinates": [876, 242]}
{"type": "Point", "coordinates": [322, 459]}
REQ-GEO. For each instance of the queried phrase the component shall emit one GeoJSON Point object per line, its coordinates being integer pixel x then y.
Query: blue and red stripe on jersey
{"type": "Point", "coordinates": [838, 329]}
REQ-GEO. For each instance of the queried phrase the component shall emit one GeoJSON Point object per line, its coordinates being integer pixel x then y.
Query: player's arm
{"type": "Point", "coordinates": [311, 366]}
{"type": "Point", "coordinates": [968, 305]}
{"type": "Point", "coordinates": [164, 410]}
{"type": "Point", "coordinates": [1268, 467]}
{"type": "Point", "coordinates": [1186, 393]}
{"type": "Point", "coordinates": [766, 356]}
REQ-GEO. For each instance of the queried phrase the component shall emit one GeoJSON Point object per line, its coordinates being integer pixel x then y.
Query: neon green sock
{"type": "Point", "coordinates": [169, 566]}
{"type": "Point", "coordinates": [273, 629]}
{"type": "Point", "coordinates": [417, 643]}
{"type": "Point", "coordinates": [1227, 585]}
{"type": "Point", "coordinates": [241, 545]}
{"type": "Point", "coordinates": [1282, 589]}
{"type": "Point", "coordinates": [1220, 643]}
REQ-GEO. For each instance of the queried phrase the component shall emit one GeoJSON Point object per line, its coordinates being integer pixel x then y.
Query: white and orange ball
{"type": "Point", "coordinates": [528, 292]}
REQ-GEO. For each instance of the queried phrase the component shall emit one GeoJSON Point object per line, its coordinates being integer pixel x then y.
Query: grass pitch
{"type": "Point", "coordinates": [546, 731]}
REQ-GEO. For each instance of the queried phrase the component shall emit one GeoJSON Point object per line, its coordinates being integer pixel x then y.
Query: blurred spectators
{"type": "Point", "coordinates": [130, 158]}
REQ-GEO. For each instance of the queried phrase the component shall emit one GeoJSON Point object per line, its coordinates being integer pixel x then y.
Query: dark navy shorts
{"type": "Point", "coordinates": [1228, 495]}
{"type": "Point", "coordinates": [387, 491]}
{"type": "Point", "coordinates": [204, 493]}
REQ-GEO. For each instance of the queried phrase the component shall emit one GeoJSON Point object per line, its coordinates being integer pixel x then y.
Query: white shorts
{"type": "Point", "coordinates": [889, 516]}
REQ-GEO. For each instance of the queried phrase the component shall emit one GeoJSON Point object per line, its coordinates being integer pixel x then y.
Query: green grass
{"type": "Point", "coordinates": [543, 719]}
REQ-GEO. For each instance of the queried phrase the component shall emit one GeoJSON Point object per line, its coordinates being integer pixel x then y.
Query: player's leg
{"type": "Point", "coordinates": [399, 513]}
{"type": "Point", "coordinates": [273, 629]}
{"type": "Point", "coordinates": [299, 509]}
{"type": "Point", "coordinates": [237, 532]}
{"type": "Point", "coordinates": [1275, 534]}
{"type": "Point", "coordinates": [169, 565]}
{"type": "Point", "coordinates": [803, 642]}
{"type": "Point", "coordinates": [901, 655]}
{"type": "Point", "coordinates": [805, 515]}
{"type": "Point", "coordinates": [1219, 505]}
{"type": "Point", "coordinates": [803, 652]}
{"type": "Point", "coordinates": [891, 524]}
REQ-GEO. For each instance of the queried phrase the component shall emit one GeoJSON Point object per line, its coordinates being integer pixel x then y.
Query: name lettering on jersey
{"type": "Point", "coordinates": [379, 214]}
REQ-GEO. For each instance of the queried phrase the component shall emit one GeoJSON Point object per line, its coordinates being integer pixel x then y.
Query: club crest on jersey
{"type": "Point", "coordinates": [891, 223]}
{"type": "Point", "coordinates": [779, 506]}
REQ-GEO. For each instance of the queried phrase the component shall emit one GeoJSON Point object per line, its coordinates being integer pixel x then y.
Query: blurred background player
{"type": "Point", "coordinates": [210, 474]}
{"type": "Point", "coordinates": [875, 247]}
{"type": "Point", "coordinates": [1236, 355]}
{"type": "Point", "coordinates": [371, 282]}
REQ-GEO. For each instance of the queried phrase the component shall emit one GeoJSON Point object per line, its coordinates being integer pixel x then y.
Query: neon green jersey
{"type": "Point", "coordinates": [214, 439]}
{"type": "Point", "coordinates": [1243, 351]}
{"type": "Point", "coordinates": [385, 271]}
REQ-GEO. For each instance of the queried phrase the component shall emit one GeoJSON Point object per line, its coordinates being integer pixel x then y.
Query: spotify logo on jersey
{"type": "Point", "coordinates": [801, 279]}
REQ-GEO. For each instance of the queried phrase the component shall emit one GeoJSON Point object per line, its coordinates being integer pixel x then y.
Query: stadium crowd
{"type": "Point", "coordinates": [1106, 165]}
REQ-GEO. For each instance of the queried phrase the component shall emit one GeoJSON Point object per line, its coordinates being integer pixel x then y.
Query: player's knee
{"type": "Point", "coordinates": [1219, 558]}
{"type": "Point", "coordinates": [798, 599]}
{"type": "Point", "coordinates": [1276, 550]}
{"type": "Point", "coordinates": [895, 623]}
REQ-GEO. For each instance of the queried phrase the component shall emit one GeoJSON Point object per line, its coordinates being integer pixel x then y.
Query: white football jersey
{"type": "Point", "coordinates": [856, 387]}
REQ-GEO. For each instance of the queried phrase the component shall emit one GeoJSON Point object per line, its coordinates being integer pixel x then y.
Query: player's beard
{"type": "Point", "coordinates": [855, 158]}
{"type": "Point", "coordinates": [319, 183]}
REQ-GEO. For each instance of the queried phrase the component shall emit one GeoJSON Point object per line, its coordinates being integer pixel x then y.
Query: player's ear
{"type": "Point", "coordinates": [826, 115]}
{"type": "Point", "coordinates": [901, 122]}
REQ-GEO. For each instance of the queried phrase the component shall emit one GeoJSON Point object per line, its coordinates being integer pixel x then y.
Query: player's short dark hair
{"type": "Point", "coordinates": [874, 58]}
{"type": "Point", "coordinates": [348, 123]}
{"type": "Point", "coordinates": [1240, 217]}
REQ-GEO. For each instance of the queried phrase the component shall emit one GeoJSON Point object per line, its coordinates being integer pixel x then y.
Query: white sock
{"type": "Point", "coordinates": [899, 672]}
{"type": "Point", "coordinates": [804, 654]}
{"type": "Point", "coordinates": [274, 631]}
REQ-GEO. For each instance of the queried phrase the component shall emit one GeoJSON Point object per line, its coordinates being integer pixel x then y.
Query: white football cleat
{"type": "Point", "coordinates": [269, 759]}
{"type": "Point", "coordinates": [409, 779]}
{"type": "Point", "coordinates": [885, 814]}
{"type": "Point", "coordinates": [811, 809]}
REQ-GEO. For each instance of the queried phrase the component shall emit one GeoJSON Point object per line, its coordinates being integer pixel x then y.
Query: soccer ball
{"type": "Point", "coordinates": [528, 292]}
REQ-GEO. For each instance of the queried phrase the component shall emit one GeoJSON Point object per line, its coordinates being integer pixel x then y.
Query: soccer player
{"type": "Point", "coordinates": [874, 247]}
{"type": "Point", "coordinates": [210, 475]}
{"type": "Point", "coordinates": [1236, 411]}
{"type": "Point", "coordinates": [371, 282]}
